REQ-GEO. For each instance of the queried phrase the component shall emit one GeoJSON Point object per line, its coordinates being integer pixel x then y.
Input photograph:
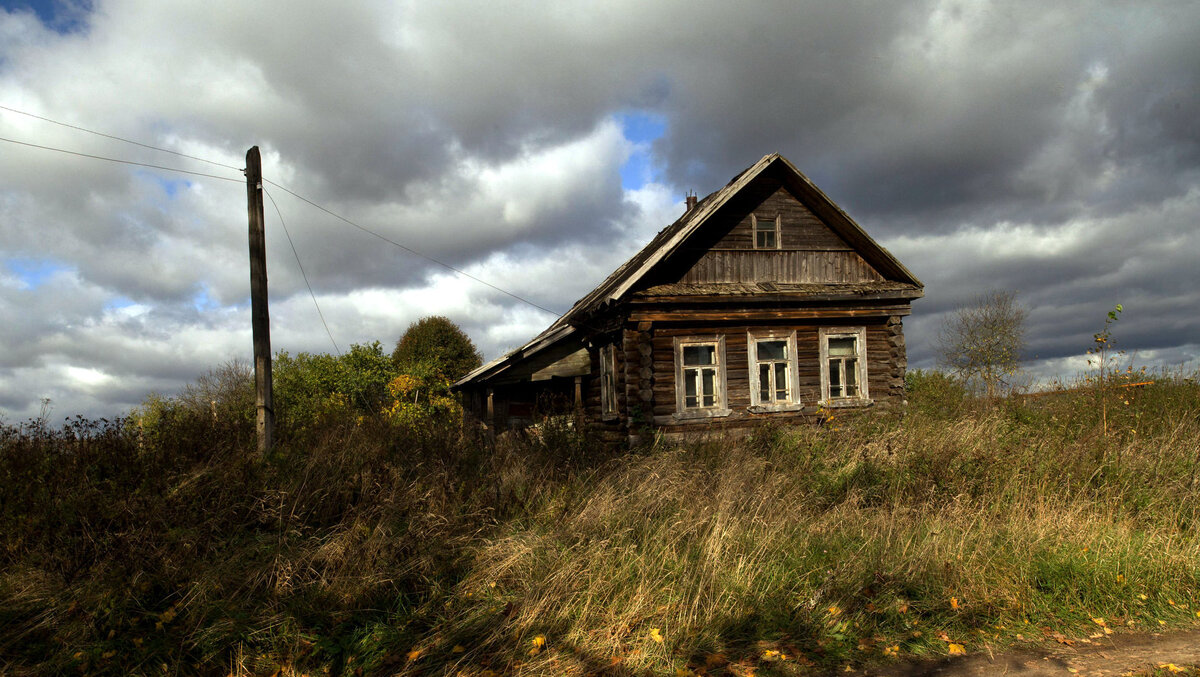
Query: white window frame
{"type": "Point", "coordinates": [859, 333]}
{"type": "Point", "coordinates": [793, 384]}
{"type": "Point", "coordinates": [608, 381]}
{"type": "Point", "coordinates": [721, 407]}
{"type": "Point", "coordinates": [754, 219]}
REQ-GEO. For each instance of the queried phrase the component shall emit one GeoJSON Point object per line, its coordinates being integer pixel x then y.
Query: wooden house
{"type": "Point", "coordinates": [763, 301]}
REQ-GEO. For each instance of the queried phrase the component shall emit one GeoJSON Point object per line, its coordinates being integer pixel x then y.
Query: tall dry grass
{"type": "Point", "coordinates": [363, 548]}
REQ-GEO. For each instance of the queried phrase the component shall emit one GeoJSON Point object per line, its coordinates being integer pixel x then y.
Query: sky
{"type": "Point", "coordinates": [1049, 149]}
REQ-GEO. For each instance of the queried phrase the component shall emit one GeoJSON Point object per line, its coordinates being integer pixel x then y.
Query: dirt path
{"type": "Point", "coordinates": [1116, 654]}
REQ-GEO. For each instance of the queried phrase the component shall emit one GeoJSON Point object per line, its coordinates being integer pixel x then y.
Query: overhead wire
{"type": "Point", "coordinates": [303, 274]}
{"type": "Point", "coordinates": [410, 250]}
{"type": "Point", "coordinates": [330, 212]}
{"type": "Point", "coordinates": [120, 161]}
{"type": "Point", "coordinates": [118, 138]}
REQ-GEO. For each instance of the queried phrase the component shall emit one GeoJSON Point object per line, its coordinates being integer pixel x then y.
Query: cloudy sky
{"type": "Point", "coordinates": [989, 145]}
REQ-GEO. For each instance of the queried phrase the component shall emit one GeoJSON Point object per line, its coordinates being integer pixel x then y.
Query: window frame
{"type": "Point", "coordinates": [794, 401]}
{"type": "Point", "coordinates": [859, 333]}
{"type": "Point", "coordinates": [754, 219]}
{"type": "Point", "coordinates": [721, 407]}
{"type": "Point", "coordinates": [608, 387]}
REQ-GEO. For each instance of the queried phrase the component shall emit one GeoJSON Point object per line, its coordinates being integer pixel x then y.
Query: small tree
{"type": "Point", "coordinates": [436, 342]}
{"type": "Point", "coordinates": [983, 340]}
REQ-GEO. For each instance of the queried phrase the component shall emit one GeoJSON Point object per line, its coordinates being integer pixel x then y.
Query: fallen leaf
{"type": "Point", "coordinates": [893, 650]}
{"type": "Point", "coordinates": [1098, 621]}
{"type": "Point", "coordinates": [414, 654]}
{"type": "Point", "coordinates": [458, 648]}
{"type": "Point", "coordinates": [956, 649]}
{"type": "Point", "coordinates": [656, 635]}
{"type": "Point", "coordinates": [953, 602]}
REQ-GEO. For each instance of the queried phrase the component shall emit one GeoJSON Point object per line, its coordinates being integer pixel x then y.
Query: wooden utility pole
{"type": "Point", "coordinates": [260, 320]}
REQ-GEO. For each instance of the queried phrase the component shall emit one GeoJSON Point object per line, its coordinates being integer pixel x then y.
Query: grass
{"type": "Point", "coordinates": [362, 548]}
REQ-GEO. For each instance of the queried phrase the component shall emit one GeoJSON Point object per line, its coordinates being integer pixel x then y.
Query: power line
{"type": "Point", "coordinates": [119, 138]}
{"type": "Point", "coordinates": [406, 248]}
{"type": "Point", "coordinates": [124, 162]}
{"type": "Point", "coordinates": [411, 250]}
{"type": "Point", "coordinates": [303, 274]}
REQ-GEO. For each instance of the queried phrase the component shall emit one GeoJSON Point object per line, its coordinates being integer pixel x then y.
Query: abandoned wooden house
{"type": "Point", "coordinates": [763, 301]}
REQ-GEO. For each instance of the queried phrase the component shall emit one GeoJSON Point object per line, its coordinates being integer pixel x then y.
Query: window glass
{"type": "Point", "coordinates": [781, 381]}
{"type": "Point", "coordinates": [699, 355]}
{"type": "Point", "coordinates": [772, 350]}
{"type": "Point", "coordinates": [842, 347]}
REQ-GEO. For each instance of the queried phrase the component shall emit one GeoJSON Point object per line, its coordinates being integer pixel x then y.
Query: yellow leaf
{"type": "Point", "coordinates": [539, 641]}
{"type": "Point", "coordinates": [1098, 621]}
{"type": "Point", "coordinates": [1120, 578]}
{"type": "Point", "coordinates": [656, 635]}
{"type": "Point", "coordinates": [953, 602]}
{"type": "Point", "coordinates": [1171, 667]}
{"type": "Point", "coordinates": [834, 610]}
{"type": "Point", "coordinates": [956, 649]}
{"type": "Point", "coordinates": [534, 651]}
{"type": "Point", "coordinates": [414, 654]}
{"type": "Point", "coordinates": [893, 650]}
{"type": "Point", "coordinates": [1142, 597]}
{"type": "Point", "coordinates": [770, 655]}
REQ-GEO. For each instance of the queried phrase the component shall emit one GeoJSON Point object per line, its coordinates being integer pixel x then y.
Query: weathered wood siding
{"type": "Point", "coordinates": [801, 228]}
{"type": "Point", "coordinates": [885, 366]}
{"type": "Point", "coordinates": [809, 251]}
{"type": "Point", "coordinates": [729, 265]}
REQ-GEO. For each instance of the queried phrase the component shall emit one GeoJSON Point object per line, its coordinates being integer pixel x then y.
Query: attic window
{"type": "Point", "coordinates": [766, 232]}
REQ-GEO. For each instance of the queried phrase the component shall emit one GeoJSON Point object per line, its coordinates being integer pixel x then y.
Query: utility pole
{"type": "Point", "coordinates": [260, 320]}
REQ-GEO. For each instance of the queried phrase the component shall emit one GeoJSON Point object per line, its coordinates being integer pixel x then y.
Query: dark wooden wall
{"type": "Point", "coordinates": [886, 363]}
{"type": "Point", "coordinates": [809, 251]}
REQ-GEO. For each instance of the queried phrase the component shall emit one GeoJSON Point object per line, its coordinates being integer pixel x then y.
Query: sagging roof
{"type": "Point", "coordinates": [618, 285]}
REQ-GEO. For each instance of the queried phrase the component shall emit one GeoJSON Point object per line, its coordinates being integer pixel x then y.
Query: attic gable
{"type": "Point", "coordinates": [765, 235]}
{"type": "Point", "coordinates": [666, 258]}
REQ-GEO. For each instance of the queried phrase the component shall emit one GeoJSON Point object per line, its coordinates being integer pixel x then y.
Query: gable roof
{"type": "Point", "coordinates": [620, 283]}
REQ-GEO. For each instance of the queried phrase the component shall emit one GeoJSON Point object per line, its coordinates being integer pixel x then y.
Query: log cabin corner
{"type": "Point", "coordinates": [764, 301]}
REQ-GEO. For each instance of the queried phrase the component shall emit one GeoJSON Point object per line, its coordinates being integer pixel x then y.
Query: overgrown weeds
{"type": "Point", "coordinates": [365, 547]}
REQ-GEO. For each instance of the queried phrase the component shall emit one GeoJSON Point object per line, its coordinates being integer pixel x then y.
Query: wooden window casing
{"type": "Point", "coordinates": [700, 378]}
{"type": "Point", "coordinates": [843, 366]}
{"type": "Point", "coordinates": [774, 378]}
{"type": "Point", "coordinates": [608, 381]}
{"type": "Point", "coordinates": [766, 232]}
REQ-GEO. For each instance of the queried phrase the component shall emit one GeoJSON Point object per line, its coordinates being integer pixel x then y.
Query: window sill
{"type": "Point", "coordinates": [771, 408]}
{"type": "Point", "coordinates": [700, 414]}
{"type": "Point", "coordinates": [849, 403]}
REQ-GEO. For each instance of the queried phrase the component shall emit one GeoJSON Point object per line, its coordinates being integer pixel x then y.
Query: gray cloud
{"type": "Point", "coordinates": [1051, 150]}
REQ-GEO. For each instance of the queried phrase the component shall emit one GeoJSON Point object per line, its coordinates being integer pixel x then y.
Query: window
{"type": "Point", "coordinates": [608, 381]}
{"type": "Point", "coordinates": [843, 366]}
{"type": "Point", "coordinates": [700, 376]}
{"type": "Point", "coordinates": [766, 232]}
{"type": "Point", "coordinates": [773, 383]}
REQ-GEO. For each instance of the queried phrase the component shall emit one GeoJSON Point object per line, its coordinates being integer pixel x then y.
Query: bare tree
{"type": "Point", "coordinates": [982, 341]}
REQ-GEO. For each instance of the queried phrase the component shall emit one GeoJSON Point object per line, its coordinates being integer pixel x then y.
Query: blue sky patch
{"type": "Point", "coordinates": [642, 129]}
{"type": "Point", "coordinates": [60, 16]}
{"type": "Point", "coordinates": [34, 272]}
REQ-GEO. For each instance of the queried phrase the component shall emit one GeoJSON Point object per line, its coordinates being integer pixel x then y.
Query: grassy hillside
{"type": "Point", "coordinates": [364, 545]}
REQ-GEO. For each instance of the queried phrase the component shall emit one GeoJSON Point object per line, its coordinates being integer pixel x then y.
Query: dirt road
{"type": "Point", "coordinates": [1114, 655]}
